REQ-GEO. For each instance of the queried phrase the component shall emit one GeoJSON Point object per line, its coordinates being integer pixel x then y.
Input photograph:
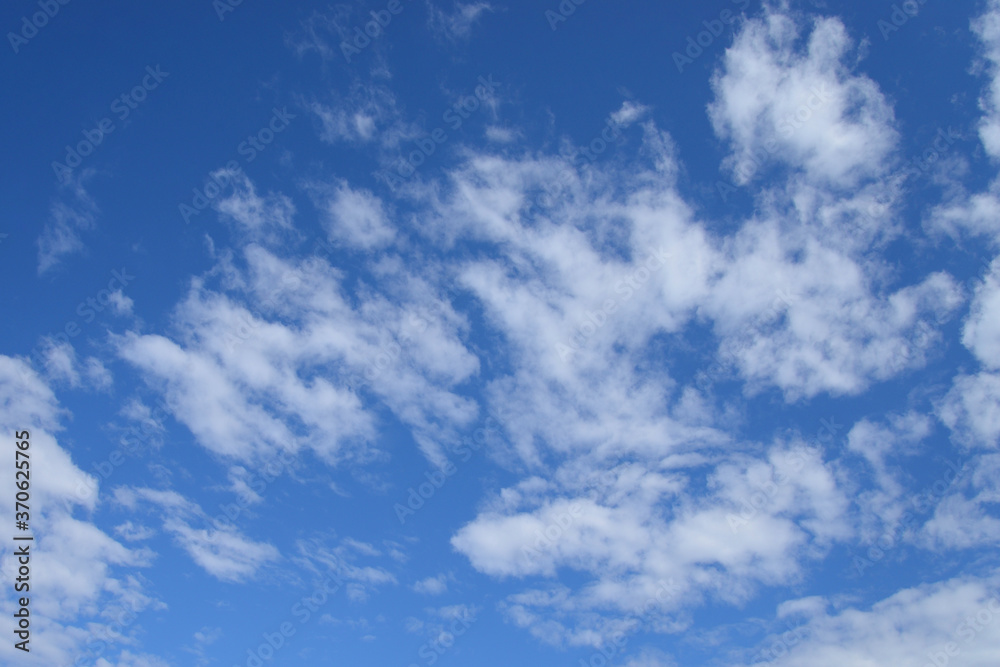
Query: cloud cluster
{"type": "Point", "coordinates": [87, 590]}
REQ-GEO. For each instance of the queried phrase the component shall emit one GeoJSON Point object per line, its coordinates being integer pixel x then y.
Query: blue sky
{"type": "Point", "coordinates": [581, 334]}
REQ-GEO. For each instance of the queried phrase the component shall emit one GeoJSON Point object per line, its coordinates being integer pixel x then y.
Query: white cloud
{"type": "Point", "coordinates": [982, 330]}
{"type": "Point", "coordinates": [651, 657]}
{"type": "Point", "coordinates": [88, 576]}
{"type": "Point", "coordinates": [342, 125]}
{"type": "Point", "coordinates": [501, 135]}
{"type": "Point", "coordinates": [225, 554]}
{"type": "Point", "coordinates": [285, 344]}
{"type": "Point", "coordinates": [443, 625]}
{"type": "Point", "coordinates": [60, 363]}
{"type": "Point", "coordinates": [122, 304]}
{"type": "Point", "coordinates": [637, 528]}
{"type": "Point", "coordinates": [628, 113]}
{"type": "Point", "coordinates": [321, 32]}
{"type": "Point", "coordinates": [978, 214]}
{"type": "Point", "coordinates": [129, 659]}
{"type": "Point", "coordinates": [367, 114]}
{"type": "Point", "coordinates": [432, 585]}
{"type": "Point", "coordinates": [74, 211]}
{"type": "Point", "coordinates": [62, 366]}
{"type": "Point", "coordinates": [356, 218]}
{"type": "Point", "coordinates": [886, 447]}
{"type": "Point", "coordinates": [222, 551]}
{"type": "Point", "coordinates": [928, 624]}
{"type": "Point", "coordinates": [459, 22]}
{"type": "Point", "coordinates": [987, 28]}
{"type": "Point", "coordinates": [830, 333]}
{"type": "Point", "coordinates": [972, 409]}
{"type": "Point", "coordinates": [96, 374]}
{"type": "Point", "coordinates": [133, 533]}
{"type": "Point", "coordinates": [362, 548]}
{"type": "Point", "coordinates": [960, 523]}
{"type": "Point", "coordinates": [323, 561]}
{"type": "Point", "coordinates": [258, 218]}
{"type": "Point", "coordinates": [801, 107]}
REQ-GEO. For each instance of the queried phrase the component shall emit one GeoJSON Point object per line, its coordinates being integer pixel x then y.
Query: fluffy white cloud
{"type": "Point", "coordinates": [121, 303]}
{"type": "Point", "coordinates": [62, 365]}
{"type": "Point", "coordinates": [629, 113]}
{"type": "Point", "coordinates": [252, 216]}
{"type": "Point", "coordinates": [982, 329]}
{"type": "Point", "coordinates": [987, 28]}
{"type": "Point", "coordinates": [356, 218]}
{"type": "Point", "coordinates": [278, 359]}
{"type": "Point", "coordinates": [886, 448]}
{"type": "Point", "coordinates": [84, 582]}
{"type": "Point", "coordinates": [950, 622]}
{"type": "Point", "coordinates": [978, 214]}
{"type": "Point", "coordinates": [801, 107]}
{"type": "Point", "coordinates": [636, 528]}
{"type": "Point", "coordinates": [972, 409]}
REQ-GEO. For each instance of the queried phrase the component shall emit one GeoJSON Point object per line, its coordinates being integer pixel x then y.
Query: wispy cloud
{"type": "Point", "coordinates": [223, 552]}
{"type": "Point", "coordinates": [457, 23]}
{"type": "Point", "coordinates": [72, 213]}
